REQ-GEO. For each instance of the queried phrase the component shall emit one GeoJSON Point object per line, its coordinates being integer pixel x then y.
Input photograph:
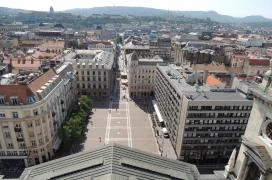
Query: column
{"type": "Point", "coordinates": [245, 173]}
{"type": "Point", "coordinates": [26, 163]}
{"type": "Point", "coordinates": [242, 168]}
{"type": "Point", "coordinates": [262, 177]}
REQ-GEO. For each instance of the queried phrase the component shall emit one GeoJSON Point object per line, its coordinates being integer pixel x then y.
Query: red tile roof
{"type": "Point", "coordinates": [20, 91]}
{"type": "Point", "coordinates": [40, 81]}
{"type": "Point", "coordinates": [259, 62]}
{"type": "Point", "coordinates": [212, 81]}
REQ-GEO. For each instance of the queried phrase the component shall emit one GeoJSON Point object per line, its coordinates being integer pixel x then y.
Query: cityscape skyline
{"type": "Point", "coordinates": [232, 8]}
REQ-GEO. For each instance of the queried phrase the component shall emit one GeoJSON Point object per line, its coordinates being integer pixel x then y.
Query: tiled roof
{"type": "Point", "coordinates": [20, 91]}
{"type": "Point", "coordinates": [212, 81]}
{"type": "Point", "coordinates": [24, 92]}
{"type": "Point", "coordinates": [40, 81]}
{"type": "Point", "coordinates": [259, 62]}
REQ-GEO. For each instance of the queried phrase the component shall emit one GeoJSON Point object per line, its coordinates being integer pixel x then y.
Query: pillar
{"type": "Point", "coordinates": [242, 168]}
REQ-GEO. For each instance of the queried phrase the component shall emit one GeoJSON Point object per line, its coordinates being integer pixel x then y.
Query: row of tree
{"type": "Point", "coordinates": [73, 127]}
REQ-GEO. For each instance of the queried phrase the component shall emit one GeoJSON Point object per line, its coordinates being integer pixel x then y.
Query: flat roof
{"type": "Point", "coordinates": [199, 92]}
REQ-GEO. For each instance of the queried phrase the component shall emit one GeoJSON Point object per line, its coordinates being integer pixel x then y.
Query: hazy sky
{"type": "Point", "coordinates": [238, 8]}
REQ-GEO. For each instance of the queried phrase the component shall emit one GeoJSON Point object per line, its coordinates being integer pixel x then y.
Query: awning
{"type": "Point", "coordinates": [157, 111]}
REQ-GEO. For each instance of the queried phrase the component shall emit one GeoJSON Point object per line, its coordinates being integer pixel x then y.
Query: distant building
{"type": "Point", "coordinates": [141, 75]}
{"type": "Point", "coordinates": [204, 123]}
{"type": "Point", "coordinates": [51, 9]}
{"type": "Point", "coordinates": [94, 71]}
{"type": "Point", "coordinates": [112, 162]}
{"type": "Point", "coordinates": [161, 47]}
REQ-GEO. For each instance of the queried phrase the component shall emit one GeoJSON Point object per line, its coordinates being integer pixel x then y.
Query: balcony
{"type": "Point", "coordinates": [20, 139]}
{"type": "Point", "coordinates": [18, 129]}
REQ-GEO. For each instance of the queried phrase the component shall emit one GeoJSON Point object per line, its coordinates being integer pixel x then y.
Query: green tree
{"type": "Point", "coordinates": [85, 104]}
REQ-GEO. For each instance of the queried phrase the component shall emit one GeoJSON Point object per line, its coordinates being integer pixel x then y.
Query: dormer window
{"type": "Point", "coordinates": [2, 100]}
{"type": "Point", "coordinates": [14, 100]}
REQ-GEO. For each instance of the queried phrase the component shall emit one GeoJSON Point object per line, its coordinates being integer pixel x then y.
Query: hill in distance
{"type": "Point", "coordinates": [143, 11]}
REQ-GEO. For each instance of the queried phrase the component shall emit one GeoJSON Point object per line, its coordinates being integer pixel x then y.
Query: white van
{"type": "Point", "coordinates": [165, 133]}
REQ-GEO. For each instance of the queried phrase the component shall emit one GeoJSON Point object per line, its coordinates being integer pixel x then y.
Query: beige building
{"type": "Point", "coordinates": [141, 75]}
{"type": "Point", "coordinates": [32, 108]}
{"type": "Point", "coordinates": [204, 123]}
{"type": "Point", "coordinates": [254, 159]}
{"type": "Point", "coordinates": [94, 72]}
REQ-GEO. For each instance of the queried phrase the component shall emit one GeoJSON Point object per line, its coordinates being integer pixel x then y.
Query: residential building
{"type": "Point", "coordinates": [142, 50]}
{"type": "Point", "coordinates": [113, 162]}
{"type": "Point", "coordinates": [256, 66]}
{"type": "Point", "coordinates": [141, 75]}
{"type": "Point", "coordinates": [161, 47]}
{"type": "Point", "coordinates": [204, 123]}
{"type": "Point", "coordinates": [95, 75]}
{"type": "Point", "coordinates": [254, 159]}
{"type": "Point", "coordinates": [32, 109]}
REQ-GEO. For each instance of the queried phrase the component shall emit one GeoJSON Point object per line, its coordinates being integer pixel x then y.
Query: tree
{"type": "Point", "coordinates": [85, 104]}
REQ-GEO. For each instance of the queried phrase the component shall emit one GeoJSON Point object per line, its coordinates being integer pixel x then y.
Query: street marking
{"type": "Point", "coordinates": [118, 118]}
{"type": "Point", "coordinates": [118, 127]}
{"type": "Point", "coordinates": [118, 139]}
{"type": "Point", "coordinates": [107, 134]}
{"type": "Point", "coordinates": [128, 125]}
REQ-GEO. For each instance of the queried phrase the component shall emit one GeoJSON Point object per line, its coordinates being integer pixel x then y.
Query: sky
{"type": "Point", "coordinates": [237, 8]}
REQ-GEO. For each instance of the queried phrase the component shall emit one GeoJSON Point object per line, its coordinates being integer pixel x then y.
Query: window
{"type": "Point", "coordinates": [33, 143]}
{"type": "Point", "coordinates": [14, 114]}
{"type": "Point", "coordinates": [14, 100]}
{"type": "Point", "coordinates": [93, 72]}
{"type": "Point", "coordinates": [2, 115]}
{"type": "Point", "coordinates": [37, 122]}
{"type": "Point", "coordinates": [2, 100]}
{"type": "Point", "coordinates": [7, 134]}
{"type": "Point", "coordinates": [10, 146]}
{"type": "Point", "coordinates": [35, 112]}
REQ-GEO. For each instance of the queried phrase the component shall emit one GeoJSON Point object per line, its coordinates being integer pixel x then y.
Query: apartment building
{"type": "Point", "coordinates": [161, 47]}
{"type": "Point", "coordinates": [32, 108]}
{"type": "Point", "coordinates": [254, 158]}
{"type": "Point", "coordinates": [204, 124]}
{"type": "Point", "coordinates": [94, 68]}
{"type": "Point", "coordinates": [141, 75]}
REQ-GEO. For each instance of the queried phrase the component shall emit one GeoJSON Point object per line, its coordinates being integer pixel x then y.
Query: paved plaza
{"type": "Point", "coordinates": [119, 120]}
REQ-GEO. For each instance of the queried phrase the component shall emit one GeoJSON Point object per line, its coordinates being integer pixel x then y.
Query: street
{"type": "Point", "coordinates": [120, 120]}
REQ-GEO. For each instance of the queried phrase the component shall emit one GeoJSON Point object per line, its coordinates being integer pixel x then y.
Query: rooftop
{"type": "Point", "coordinates": [112, 162]}
{"type": "Point", "coordinates": [184, 82]}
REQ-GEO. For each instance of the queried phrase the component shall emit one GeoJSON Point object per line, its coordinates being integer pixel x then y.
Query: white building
{"type": "Point", "coordinates": [32, 108]}
{"type": "Point", "coordinates": [204, 124]}
{"type": "Point", "coordinates": [254, 160]}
